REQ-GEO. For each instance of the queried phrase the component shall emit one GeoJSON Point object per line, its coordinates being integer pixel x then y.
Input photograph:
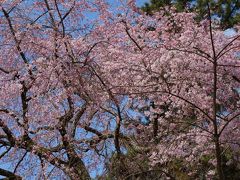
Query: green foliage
{"type": "Point", "coordinates": [135, 165]}
{"type": "Point", "coordinates": [228, 11]}
{"type": "Point", "coordinates": [125, 166]}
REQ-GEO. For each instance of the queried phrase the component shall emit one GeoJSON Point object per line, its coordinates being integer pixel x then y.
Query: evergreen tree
{"type": "Point", "coordinates": [226, 10]}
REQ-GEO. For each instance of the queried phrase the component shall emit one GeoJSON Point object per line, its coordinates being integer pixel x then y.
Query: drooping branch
{"type": "Point", "coordinates": [17, 42]}
{"type": "Point", "coordinates": [19, 162]}
{"type": "Point", "coordinates": [8, 132]}
{"type": "Point", "coordinates": [5, 152]}
{"type": "Point", "coordinates": [9, 174]}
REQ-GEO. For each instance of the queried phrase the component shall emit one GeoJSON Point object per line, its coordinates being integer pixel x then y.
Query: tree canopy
{"type": "Point", "coordinates": [90, 89]}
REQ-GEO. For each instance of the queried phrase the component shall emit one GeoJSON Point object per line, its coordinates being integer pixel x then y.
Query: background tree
{"type": "Point", "coordinates": [227, 11]}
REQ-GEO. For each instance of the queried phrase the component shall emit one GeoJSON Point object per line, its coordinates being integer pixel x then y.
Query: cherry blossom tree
{"type": "Point", "coordinates": [189, 72]}
{"type": "Point", "coordinates": [74, 73]}
{"type": "Point", "coordinates": [56, 110]}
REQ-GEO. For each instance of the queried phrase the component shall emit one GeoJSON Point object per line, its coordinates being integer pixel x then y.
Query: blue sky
{"type": "Point", "coordinates": [141, 2]}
